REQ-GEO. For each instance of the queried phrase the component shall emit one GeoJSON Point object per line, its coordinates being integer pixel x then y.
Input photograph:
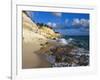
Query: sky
{"type": "Point", "coordinates": [65, 23]}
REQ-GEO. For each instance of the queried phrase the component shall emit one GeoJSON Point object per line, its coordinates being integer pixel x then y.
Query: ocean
{"type": "Point", "coordinates": [80, 41]}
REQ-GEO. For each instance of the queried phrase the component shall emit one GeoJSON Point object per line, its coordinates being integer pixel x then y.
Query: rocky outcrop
{"type": "Point", "coordinates": [65, 56]}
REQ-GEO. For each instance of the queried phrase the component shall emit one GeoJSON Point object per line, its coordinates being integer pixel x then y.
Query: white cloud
{"type": "Point", "coordinates": [54, 24]}
{"type": "Point", "coordinates": [29, 13]}
{"type": "Point", "coordinates": [84, 22]}
{"type": "Point", "coordinates": [57, 14]}
{"type": "Point", "coordinates": [66, 21]}
{"type": "Point", "coordinates": [80, 22]}
{"type": "Point", "coordinates": [51, 24]}
{"type": "Point", "coordinates": [76, 21]}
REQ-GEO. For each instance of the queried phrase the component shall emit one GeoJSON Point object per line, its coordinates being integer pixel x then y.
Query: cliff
{"type": "Point", "coordinates": [30, 26]}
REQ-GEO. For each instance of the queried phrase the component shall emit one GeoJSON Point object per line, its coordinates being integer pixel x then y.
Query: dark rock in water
{"type": "Point", "coordinates": [68, 59]}
{"type": "Point", "coordinates": [58, 58]}
{"type": "Point", "coordinates": [51, 59]}
{"type": "Point", "coordinates": [83, 60]}
{"type": "Point", "coordinates": [53, 49]}
{"type": "Point", "coordinates": [66, 56]}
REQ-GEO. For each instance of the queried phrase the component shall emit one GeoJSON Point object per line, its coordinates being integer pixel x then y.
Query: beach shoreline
{"type": "Point", "coordinates": [42, 47]}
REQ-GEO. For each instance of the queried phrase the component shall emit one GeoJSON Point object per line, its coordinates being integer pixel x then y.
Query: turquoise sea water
{"type": "Point", "coordinates": [80, 41]}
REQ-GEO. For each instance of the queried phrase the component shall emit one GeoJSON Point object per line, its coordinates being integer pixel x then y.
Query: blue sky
{"type": "Point", "coordinates": [64, 23]}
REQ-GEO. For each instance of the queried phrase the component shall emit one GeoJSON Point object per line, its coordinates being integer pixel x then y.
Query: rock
{"type": "Point", "coordinates": [51, 59]}
{"type": "Point", "coordinates": [67, 56]}
{"type": "Point", "coordinates": [83, 60]}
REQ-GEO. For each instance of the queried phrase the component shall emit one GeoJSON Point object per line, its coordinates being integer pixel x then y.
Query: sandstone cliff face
{"type": "Point", "coordinates": [28, 23]}
{"type": "Point", "coordinates": [30, 27]}
{"type": "Point", "coordinates": [48, 33]}
{"type": "Point", "coordinates": [29, 30]}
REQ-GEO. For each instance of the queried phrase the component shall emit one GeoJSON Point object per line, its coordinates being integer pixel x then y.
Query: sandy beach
{"type": "Point", "coordinates": [31, 43]}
